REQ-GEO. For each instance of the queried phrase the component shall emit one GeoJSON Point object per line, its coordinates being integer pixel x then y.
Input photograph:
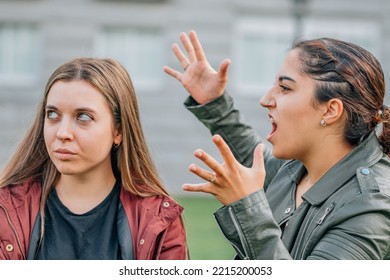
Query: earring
{"type": "Point", "coordinates": [116, 145]}
{"type": "Point", "coordinates": [322, 122]}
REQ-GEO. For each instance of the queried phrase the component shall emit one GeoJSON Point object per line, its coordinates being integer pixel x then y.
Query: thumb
{"type": "Point", "coordinates": [223, 69]}
{"type": "Point", "coordinates": [258, 158]}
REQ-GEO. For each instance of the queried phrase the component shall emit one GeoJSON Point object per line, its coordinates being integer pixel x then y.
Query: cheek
{"type": "Point", "coordinates": [95, 150]}
{"type": "Point", "coordinates": [48, 134]}
{"type": "Point", "coordinates": [296, 114]}
{"type": "Point", "coordinates": [96, 144]}
{"type": "Point", "coordinates": [98, 140]}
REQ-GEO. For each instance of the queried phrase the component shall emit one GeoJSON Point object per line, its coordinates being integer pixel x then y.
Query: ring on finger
{"type": "Point", "coordinates": [185, 68]}
{"type": "Point", "coordinates": [214, 177]}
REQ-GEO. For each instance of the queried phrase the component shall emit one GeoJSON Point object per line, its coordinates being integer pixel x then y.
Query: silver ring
{"type": "Point", "coordinates": [213, 179]}
{"type": "Point", "coordinates": [185, 68]}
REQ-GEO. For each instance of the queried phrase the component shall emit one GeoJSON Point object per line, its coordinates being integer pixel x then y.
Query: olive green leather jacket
{"type": "Point", "coordinates": [345, 215]}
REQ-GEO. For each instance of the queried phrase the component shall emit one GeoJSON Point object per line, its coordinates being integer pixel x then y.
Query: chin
{"type": "Point", "coordinates": [65, 169]}
{"type": "Point", "coordinates": [280, 153]}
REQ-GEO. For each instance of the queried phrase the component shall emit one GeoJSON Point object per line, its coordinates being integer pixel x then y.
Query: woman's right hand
{"type": "Point", "coordinates": [202, 82]}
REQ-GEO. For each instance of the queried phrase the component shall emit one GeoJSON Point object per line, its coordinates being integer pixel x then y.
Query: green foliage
{"type": "Point", "coordinates": [205, 239]}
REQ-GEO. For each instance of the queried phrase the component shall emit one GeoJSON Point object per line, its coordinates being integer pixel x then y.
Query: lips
{"type": "Point", "coordinates": [64, 154]}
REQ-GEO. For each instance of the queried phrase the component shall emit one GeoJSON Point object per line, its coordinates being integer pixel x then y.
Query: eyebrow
{"type": "Point", "coordinates": [282, 78]}
{"type": "Point", "coordinates": [81, 109]}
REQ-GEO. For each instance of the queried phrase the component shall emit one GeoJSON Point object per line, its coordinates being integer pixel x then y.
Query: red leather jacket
{"type": "Point", "coordinates": [156, 228]}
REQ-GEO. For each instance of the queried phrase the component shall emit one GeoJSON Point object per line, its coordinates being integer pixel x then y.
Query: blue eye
{"type": "Point", "coordinates": [51, 115]}
{"type": "Point", "coordinates": [84, 117]}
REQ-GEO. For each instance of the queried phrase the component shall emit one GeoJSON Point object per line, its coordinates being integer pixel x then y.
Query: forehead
{"type": "Point", "coordinates": [291, 62]}
{"type": "Point", "coordinates": [291, 67]}
{"type": "Point", "coordinates": [77, 93]}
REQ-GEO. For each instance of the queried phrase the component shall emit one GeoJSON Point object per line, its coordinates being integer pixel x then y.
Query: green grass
{"type": "Point", "coordinates": [205, 239]}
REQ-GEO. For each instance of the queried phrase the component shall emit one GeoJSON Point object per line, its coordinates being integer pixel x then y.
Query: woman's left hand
{"type": "Point", "coordinates": [229, 181]}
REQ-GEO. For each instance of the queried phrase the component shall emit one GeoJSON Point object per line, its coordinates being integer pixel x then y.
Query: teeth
{"type": "Point", "coordinates": [271, 120]}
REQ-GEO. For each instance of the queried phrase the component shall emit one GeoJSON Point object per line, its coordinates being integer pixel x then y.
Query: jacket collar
{"type": "Point", "coordinates": [366, 154]}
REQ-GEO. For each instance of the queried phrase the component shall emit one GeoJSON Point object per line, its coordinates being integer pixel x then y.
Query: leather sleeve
{"type": "Point", "coordinates": [249, 225]}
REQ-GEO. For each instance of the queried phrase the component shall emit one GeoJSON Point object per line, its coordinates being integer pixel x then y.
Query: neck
{"type": "Point", "coordinates": [323, 160]}
{"type": "Point", "coordinates": [82, 193]}
{"type": "Point", "coordinates": [308, 180]}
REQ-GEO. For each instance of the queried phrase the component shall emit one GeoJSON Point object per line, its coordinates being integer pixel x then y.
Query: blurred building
{"type": "Point", "coordinates": [36, 36]}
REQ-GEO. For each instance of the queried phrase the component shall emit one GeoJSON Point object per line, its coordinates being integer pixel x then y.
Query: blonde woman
{"type": "Point", "coordinates": [82, 184]}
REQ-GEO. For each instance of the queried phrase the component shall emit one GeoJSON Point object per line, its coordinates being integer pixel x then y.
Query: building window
{"type": "Point", "coordinates": [133, 1]}
{"type": "Point", "coordinates": [19, 53]}
{"type": "Point", "coordinates": [138, 49]}
{"type": "Point", "coordinates": [261, 45]}
{"type": "Point", "coordinates": [365, 33]}
{"type": "Point", "coordinates": [259, 49]}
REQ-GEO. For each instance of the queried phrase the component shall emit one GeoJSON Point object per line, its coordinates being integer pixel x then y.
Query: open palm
{"type": "Point", "coordinates": [202, 82]}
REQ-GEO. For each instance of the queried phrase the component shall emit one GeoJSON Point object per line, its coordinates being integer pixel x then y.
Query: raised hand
{"type": "Point", "coordinates": [202, 82]}
{"type": "Point", "coordinates": [229, 181]}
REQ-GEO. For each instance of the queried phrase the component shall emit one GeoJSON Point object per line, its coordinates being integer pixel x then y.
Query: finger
{"type": "Point", "coordinates": [202, 173]}
{"type": "Point", "coordinates": [223, 69]}
{"type": "Point", "coordinates": [258, 158]}
{"type": "Point", "coordinates": [224, 149]}
{"type": "Point", "coordinates": [188, 46]}
{"type": "Point", "coordinates": [176, 74]}
{"type": "Point", "coordinates": [205, 188]}
{"type": "Point", "coordinates": [199, 53]}
{"type": "Point", "coordinates": [209, 161]}
{"type": "Point", "coordinates": [180, 56]}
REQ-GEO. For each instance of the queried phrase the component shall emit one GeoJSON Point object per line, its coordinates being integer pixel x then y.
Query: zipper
{"type": "Point", "coordinates": [13, 229]}
{"type": "Point", "coordinates": [240, 254]}
{"type": "Point", "coordinates": [320, 221]}
{"type": "Point", "coordinates": [327, 211]}
{"type": "Point", "coordinates": [237, 249]}
{"type": "Point", "coordinates": [245, 246]}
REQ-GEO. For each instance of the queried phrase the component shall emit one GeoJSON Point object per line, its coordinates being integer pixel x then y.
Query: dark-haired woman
{"type": "Point", "coordinates": [323, 191]}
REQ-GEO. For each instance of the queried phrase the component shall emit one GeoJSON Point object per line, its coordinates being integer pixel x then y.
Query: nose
{"type": "Point", "coordinates": [267, 100]}
{"type": "Point", "coordinates": [64, 132]}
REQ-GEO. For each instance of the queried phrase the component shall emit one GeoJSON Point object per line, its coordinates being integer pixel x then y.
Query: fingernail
{"type": "Point", "coordinates": [198, 153]}
{"type": "Point", "coordinates": [192, 167]}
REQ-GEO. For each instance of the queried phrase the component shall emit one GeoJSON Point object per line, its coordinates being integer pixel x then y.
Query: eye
{"type": "Point", "coordinates": [284, 88]}
{"type": "Point", "coordinates": [83, 117]}
{"type": "Point", "coordinates": [52, 115]}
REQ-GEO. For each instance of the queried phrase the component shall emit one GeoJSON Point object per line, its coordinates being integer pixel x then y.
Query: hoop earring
{"type": "Point", "coordinates": [116, 145]}
{"type": "Point", "coordinates": [322, 122]}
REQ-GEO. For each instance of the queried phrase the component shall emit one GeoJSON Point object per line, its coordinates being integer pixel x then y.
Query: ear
{"type": "Point", "coordinates": [333, 111]}
{"type": "Point", "coordinates": [117, 136]}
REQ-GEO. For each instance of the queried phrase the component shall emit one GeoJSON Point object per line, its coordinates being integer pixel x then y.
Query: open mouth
{"type": "Point", "coordinates": [274, 127]}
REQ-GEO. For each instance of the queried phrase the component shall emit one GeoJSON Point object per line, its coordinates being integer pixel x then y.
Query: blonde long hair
{"type": "Point", "coordinates": [131, 161]}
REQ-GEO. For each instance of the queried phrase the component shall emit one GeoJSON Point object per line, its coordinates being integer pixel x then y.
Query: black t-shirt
{"type": "Point", "coordinates": [89, 236]}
